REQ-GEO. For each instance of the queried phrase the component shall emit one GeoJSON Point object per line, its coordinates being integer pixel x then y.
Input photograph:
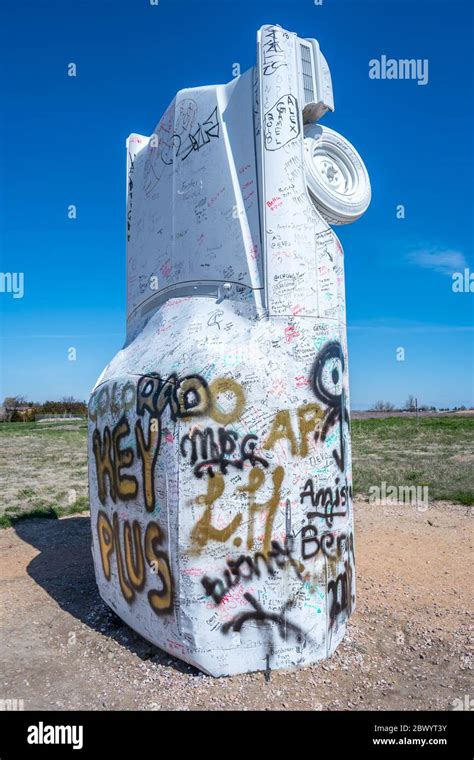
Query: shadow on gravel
{"type": "Point", "coordinates": [64, 568]}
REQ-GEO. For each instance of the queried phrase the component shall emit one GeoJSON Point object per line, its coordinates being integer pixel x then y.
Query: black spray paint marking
{"type": "Point", "coordinates": [218, 453]}
{"type": "Point", "coordinates": [337, 412]}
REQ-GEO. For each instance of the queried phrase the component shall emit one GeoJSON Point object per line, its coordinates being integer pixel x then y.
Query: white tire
{"type": "Point", "coordinates": [336, 177]}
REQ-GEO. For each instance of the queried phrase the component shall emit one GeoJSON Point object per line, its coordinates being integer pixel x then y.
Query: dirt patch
{"type": "Point", "coordinates": [407, 646]}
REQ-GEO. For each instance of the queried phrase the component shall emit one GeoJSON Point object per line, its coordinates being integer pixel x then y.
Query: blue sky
{"type": "Point", "coordinates": [63, 142]}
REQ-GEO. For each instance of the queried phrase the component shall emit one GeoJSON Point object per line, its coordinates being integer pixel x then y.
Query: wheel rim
{"type": "Point", "coordinates": [333, 169]}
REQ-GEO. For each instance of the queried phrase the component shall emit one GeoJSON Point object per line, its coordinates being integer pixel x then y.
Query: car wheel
{"type": "Point", "coordinates": [336, 177]}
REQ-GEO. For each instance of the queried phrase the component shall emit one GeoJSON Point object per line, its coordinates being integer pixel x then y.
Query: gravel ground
{"type": "Point", "coordinates": [407, 645]}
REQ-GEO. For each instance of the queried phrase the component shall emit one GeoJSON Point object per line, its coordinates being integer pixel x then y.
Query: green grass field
{"type": "Point", "coordinates": [43, 468]}
{"type": "Point", "coordinates": [435, 451]}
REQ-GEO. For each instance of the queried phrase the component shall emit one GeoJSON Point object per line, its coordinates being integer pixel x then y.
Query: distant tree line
{"type": "Point", "coordinates": [412, 405]}
{"type": "Point", "coordinates": [67, 405]}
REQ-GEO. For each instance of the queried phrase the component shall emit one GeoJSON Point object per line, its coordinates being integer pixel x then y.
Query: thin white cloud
{"type": "Point", "coordinates": [441, 260]}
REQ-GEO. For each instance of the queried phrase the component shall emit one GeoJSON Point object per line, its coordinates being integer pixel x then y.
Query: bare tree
{"type": "Point", "coordinates": [13, 402]}
{"type": "Point", "coordinates": [383, 406]}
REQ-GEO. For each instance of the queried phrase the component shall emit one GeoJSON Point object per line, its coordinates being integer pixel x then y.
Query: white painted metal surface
{"type": "Point", "coordinates": [219, 448]}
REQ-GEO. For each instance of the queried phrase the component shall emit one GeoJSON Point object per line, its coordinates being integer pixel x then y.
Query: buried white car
{"type": "Point", "coordinates": [219, 448]}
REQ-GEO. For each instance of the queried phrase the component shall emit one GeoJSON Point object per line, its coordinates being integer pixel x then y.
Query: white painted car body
{"type": "Point", "coordinates": [219, 446]}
